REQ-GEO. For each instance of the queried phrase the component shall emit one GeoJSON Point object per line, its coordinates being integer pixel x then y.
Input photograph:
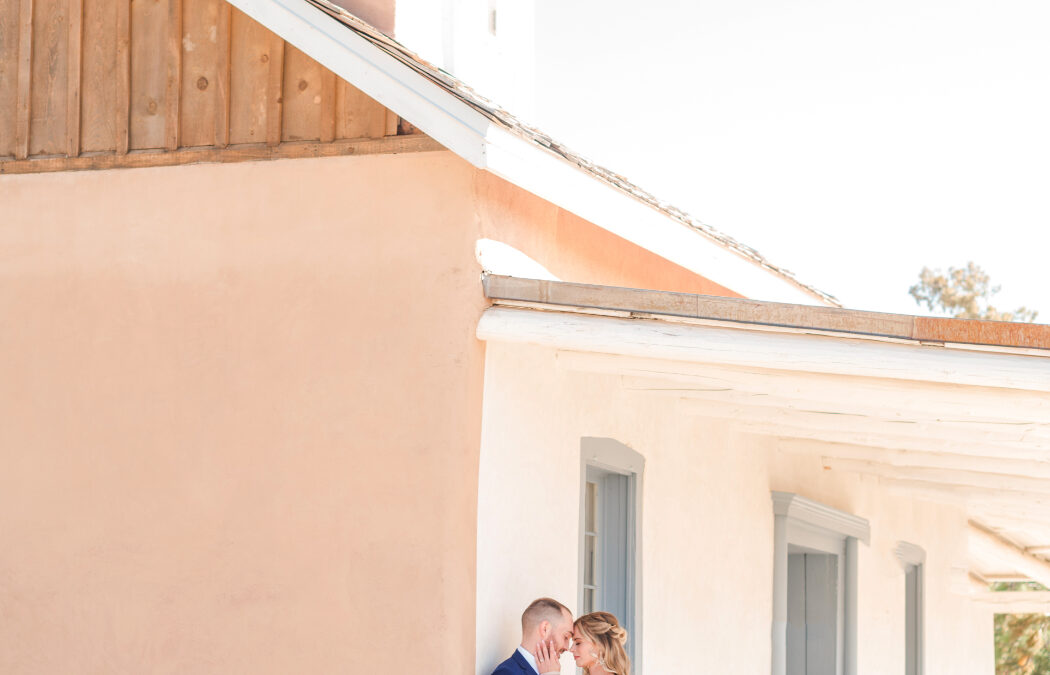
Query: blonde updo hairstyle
{"type": "Point", "coordinates": [609, 637]}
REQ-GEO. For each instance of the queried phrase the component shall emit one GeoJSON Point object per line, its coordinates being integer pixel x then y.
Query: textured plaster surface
{"type": "Point", "coordinates": [707, 527]}
{"type": "Point", "coordinates": [240, 409]}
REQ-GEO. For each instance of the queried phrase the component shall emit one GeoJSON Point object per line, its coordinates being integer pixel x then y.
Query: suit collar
{"type": "Point", "coordinates": [523, 663]}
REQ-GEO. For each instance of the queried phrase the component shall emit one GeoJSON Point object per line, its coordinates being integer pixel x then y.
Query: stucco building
{"type": "Point", "coordinates": [305, 346]}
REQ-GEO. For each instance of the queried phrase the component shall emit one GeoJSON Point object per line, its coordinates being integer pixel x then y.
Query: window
{"type": "Point", "coordinates": [814, 587]}
{"type": "Point", "coordinates": [814, 637]}
{"type": "Point", "coordinates": [912, 559]}
{"type": "Point", "coordinates": [610, 535]}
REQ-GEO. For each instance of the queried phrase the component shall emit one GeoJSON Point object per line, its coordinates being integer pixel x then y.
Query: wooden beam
{"type": "Point", "coordinates": [919, 398]}
{"type": "Point", "coordinates": [73, 75]}
{"type": "Point", "coordinates": [173, 85]}
{"type": "Point", "coordinates": [234, 153]}
{"type": "Point", "coordinates": [1032, 505]}
{"type": "Point", "coordinates": [916, 458]}
{"type": "Point", "coordinates": [788, 352]}
{"type": "Point", "coordinates": [818, 422]}
{"type": "Point", "coordinates": [1034, 522]}
{"type": "Point", "coordinates": [123, 76]}
{"type": "Point", "coordinates": [994, 546]}
{"type": "Point", "coordinates": [726, 392]}
{"type": "Point", "coordinates": [978, 583]}
{"type": "Point", "coordinates": [969, 478]}
{"type": "Point", "coordinates": [884, 440]}
{"type": "Point", "coordinates": [1014, 602]}
{"type": "Point", "coordinates": [275, 91]}
{"type": "Point", "coordinates": [713, 308]}
{"type": "Point", "coordinates": [858, 324]}
{"type": "Point", "coordinates": [25, 78]}
{"type": "Point", "coordinates": [1003, 577]}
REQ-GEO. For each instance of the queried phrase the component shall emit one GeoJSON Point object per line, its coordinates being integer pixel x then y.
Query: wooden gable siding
{"type": "Point", "coordinates": [119, 83]}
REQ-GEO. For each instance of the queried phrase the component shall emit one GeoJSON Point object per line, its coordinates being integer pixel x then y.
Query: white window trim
{"type": "Point", "coordinates": [612, 455]}
{"type": "Point", "coordinates": [910, 555]}
{"type": "Point", "coordinates": [798, 520]}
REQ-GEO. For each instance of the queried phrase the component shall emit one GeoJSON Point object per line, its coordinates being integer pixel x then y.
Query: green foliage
{"type": "Point", "coordinates": [963, 293]}
{"type": "Point", "coordinates": [1022, 641]}
{"type": "Point", "coordinates": [1021, 644]}
{"type": "Point", "coordinates": [1018, 586]}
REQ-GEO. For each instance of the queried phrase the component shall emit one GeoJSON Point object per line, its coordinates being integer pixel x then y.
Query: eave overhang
{"type": "Point", "coordinates": [962, 421]}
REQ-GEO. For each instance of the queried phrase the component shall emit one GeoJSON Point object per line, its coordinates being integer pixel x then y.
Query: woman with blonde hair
{"type": "Point", "coordinates": [597, 645]}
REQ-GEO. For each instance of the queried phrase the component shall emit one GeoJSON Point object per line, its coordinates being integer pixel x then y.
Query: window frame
{"type": "Point", "coordinates": [611, 456]}
{"type": "Point", "coordinates": [911, 557]}
{"type": "Point", "coordinates": [801, 523]}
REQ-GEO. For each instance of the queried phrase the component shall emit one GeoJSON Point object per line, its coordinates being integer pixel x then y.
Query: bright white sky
{"type": "Point", "coordinates": [851, 142]}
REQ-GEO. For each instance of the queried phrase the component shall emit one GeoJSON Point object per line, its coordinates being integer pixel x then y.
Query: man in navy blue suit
{"type": "Point", "coordinates": [545, 620]}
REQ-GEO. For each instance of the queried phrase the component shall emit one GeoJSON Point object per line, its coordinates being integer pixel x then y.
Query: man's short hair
{"type": "Point", "coordinates": [540, 610]}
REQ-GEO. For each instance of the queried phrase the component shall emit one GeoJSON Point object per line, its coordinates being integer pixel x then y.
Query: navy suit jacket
{"type": "Point", "coordinates": [515, 665]}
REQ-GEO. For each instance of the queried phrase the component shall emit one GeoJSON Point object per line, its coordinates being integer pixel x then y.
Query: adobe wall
{"type": "Point", "coordinates": [707, 527]}
{"type": "Point", "coordinates": [240, 410]}
{"type": "Point", "coordinates": [240, 417]}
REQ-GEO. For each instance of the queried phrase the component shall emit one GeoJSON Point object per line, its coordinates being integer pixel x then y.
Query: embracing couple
{"type": "Point", "coordinates": [595, 640]}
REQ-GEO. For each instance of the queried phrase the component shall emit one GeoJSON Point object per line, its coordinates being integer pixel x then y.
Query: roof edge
{"type": "Point", "coordinates": [928, 330]}
{"type": "Point", "coordinates": [492, 139]}
{"type": "Point", "coordinates": [355, 56]}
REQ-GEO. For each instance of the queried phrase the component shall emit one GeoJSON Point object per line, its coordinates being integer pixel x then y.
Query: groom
{"type": "Point", "coordinates": [543, 620]}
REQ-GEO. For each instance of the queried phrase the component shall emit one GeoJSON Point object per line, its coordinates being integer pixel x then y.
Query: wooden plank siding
{"type": "Point", "coordinates": [24, 79]}
{"type": "Point", "coordinates": [9, 31]}
{"type": "Point", "coordinates": [128, 83]}
{"type": "Point", "coordinates": [75, 25]}
{"type": "Point", "coordinates": [50, 66]}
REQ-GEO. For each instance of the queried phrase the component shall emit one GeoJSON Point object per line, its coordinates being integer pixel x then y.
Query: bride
{"type": "Point", "coordinates": [597, 645]}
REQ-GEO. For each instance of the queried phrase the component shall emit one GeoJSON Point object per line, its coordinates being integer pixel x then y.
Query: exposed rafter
{"type": "Point", "coordinates": [992, 545]}
{"type": "Point", "coordinates": [953, 427]}
{"type": "Point", "coordinates": [1017, 501]}
{"type": "Point", "coordinates": [1014, 602]}
{"type": "Point", "coordinates": [1028, 439]}
{"type": "Point", "coordinates": [917, 458]}
{"type": "Point", "coordinates": [771, 387]}
{"type": "Point", "coordinates": [934, 443]}
{"type": "Point", "coordinates": [954, 477]}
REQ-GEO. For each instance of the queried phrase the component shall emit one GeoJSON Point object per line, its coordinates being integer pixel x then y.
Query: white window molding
{"type": "Point", "coordinates": [913, 561]}
{"type": "Point", "coordinates": [909, 554]}
{"type": "Point", "coordinates": [803, 524]}
{"type": "Point", "coordinates": [802, 511]}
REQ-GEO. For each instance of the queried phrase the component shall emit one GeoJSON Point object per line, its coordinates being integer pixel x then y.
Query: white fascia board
{"type": "Point", "coordinates": [545, 175]}
{"type": "Point", "coordinates": [782, 351]}
{"type": "Point", "coordinates": [430, 107]}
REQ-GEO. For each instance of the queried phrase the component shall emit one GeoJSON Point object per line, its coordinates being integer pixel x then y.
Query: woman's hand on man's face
{"type": "Point", "coordinates": [547, 658]}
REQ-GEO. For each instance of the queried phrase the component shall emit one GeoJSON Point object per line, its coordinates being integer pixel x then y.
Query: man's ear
{"type": "Point", "coordinates": [545, 629]}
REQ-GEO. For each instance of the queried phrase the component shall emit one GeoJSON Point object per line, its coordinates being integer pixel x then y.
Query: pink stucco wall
{"type": "Point", "coordinates": [240, 407]}
{"type": "Point", "coordinates": [240, 412]}
{"type": "Point", "coordinates": [574, 249]}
